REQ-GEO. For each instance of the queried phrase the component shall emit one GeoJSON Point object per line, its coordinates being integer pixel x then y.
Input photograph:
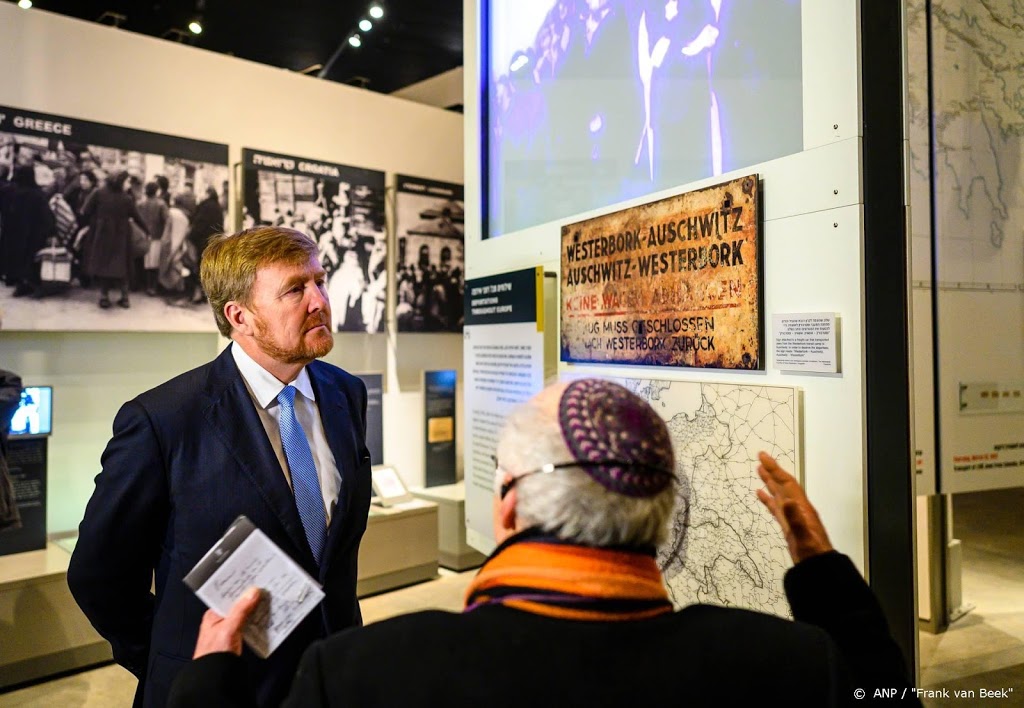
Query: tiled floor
{"type": "Point", "coordinates": [985, 649]}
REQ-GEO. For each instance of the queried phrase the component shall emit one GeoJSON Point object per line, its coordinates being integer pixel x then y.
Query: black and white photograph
{"type": "Point", "coordinates": [342, 209]}
{"type": "Point", "coordinates": [431, 261]}
{"type": "Point", "coordinates": [103, 227]}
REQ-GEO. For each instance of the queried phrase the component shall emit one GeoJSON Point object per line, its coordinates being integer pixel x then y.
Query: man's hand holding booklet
{"type": "Point", "coordinates": [243, 559]}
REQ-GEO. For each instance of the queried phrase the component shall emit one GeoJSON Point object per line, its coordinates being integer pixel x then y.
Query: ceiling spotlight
{"type": "Point", "coordinates": [376, 12]}
{"type": "Point", "coordinates": [24, 4]}
{"type": "Point", "coordinates": [355, 41]}
{"type": "Point", "coordinates": [364, 25]}
{"type": "Point", "coordinates": [194, 27]}
{"type": "Point", "coordinates": [115, 19]}
{"type": "Point", "coordinates": [176, 35]}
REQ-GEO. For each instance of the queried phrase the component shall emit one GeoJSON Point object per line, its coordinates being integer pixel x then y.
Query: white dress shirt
{"type": "Point", "coordinates": [264, 388]}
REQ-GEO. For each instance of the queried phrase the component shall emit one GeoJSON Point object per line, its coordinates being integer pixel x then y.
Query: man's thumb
{"type": "Point", "coordinates": [244, 607]}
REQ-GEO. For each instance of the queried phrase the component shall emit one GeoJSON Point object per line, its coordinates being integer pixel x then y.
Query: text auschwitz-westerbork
{"type": "Point", "coordinates": [674, 282]}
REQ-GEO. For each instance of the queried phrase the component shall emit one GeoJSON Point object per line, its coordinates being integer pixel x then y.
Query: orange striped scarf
{"type": "Point", "coordinates": [549, 577]}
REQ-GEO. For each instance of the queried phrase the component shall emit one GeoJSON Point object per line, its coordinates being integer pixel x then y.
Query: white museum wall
{"type": "Point", "coordinates": [443, 90]}
{"type": "Point", "coordinates": [813, 233]}
{"type": "Point", "coordinates": [55, 64]}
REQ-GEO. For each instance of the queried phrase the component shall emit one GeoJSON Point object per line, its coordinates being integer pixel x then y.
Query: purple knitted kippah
{"type": "Point", "coordinates": [619, 434]}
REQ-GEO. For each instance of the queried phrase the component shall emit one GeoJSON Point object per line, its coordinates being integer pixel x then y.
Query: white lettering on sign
{"type": "Point", "coordinates": [315, 168]}
{"type": "Point", "coordinates": [42, 126]}
{"type": "Point", "coordinates": [280, 163]}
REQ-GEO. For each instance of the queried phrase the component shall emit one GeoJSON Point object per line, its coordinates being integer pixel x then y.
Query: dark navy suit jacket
{"type": "Point", "coordinates": [185, 460]}
{"type": "Point", "coordinates": [501, 657]}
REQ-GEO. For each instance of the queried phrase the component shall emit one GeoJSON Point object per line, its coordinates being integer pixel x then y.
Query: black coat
{"type": "Point", "coordinates": [109, 214]}
{"type": "Point", "coordinates": [496, 657]}
{"type": "Point", "coordinates": [25, 223]}
{"type": "Point", "coordinates": [207, 222]}
{"type": "Point", "coordinates": [186, 459]}
{"type": "Point", "coordinates": [6, 188]}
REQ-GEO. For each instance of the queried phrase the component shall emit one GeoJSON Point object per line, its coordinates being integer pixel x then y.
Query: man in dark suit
{"type": "Point", "coordinates": [571, 609]}
{"type": "Point", "coordinates": [264, 430]}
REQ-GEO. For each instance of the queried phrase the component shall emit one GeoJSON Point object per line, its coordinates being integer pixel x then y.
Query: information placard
{"type": "Point", "coordinates": [503, 354]}
{"type": "Point", "coordinates": [806, 342]}
{"type": "Point", "coordinates": [26, 458]}
{"type": "Point", "coordinates": [374, 416]}
{"type": "Point", "coordinates": [439, 417]}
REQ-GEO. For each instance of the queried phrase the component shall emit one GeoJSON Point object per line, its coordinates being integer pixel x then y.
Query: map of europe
{"type": "Point", "coordinates": [724, 548]}
{"type": "Point", "coordinates": [977, 112]}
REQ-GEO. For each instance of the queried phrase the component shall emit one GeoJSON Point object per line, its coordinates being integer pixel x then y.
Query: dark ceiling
{"type": "Point", "coordinates": [416, 39]}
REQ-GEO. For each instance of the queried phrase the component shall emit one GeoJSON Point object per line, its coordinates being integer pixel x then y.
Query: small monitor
{"type": "Point", "coordinates": [34, 415]}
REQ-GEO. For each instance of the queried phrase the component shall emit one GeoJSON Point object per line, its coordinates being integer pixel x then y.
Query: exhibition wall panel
{"type": "Point", "coordinates": [813, 230]}
{"type": "Point", "coordinates": [967, 249]}
{"type": "Point", "coordinates": [57, 65]}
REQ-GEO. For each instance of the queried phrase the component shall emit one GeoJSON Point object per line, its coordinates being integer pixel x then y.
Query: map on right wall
{"type": "Point", "coordinates": [978, 89]}
{"type": "Point", "coordinates": [965, 88]}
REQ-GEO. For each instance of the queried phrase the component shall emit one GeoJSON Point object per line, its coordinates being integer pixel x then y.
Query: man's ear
{"type": "Point", "coordinates": [507, 511]}
{"type": "Point", "coordinates": [239, 317]}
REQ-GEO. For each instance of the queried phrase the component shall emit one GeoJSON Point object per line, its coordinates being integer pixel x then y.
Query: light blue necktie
{"type": "Point", "coordinates": [305, 483]}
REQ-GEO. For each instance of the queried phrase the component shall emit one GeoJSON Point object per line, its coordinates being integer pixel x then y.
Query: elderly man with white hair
{"type": "Point", "coordinates": [571, 608]}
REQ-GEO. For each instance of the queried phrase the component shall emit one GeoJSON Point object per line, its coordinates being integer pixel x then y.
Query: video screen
{"type": "Point", "coordinates": [592, 102]}
{"type": "Point", "coordinates": [34, 415]}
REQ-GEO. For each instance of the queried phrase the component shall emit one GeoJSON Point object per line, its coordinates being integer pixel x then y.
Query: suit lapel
{"type": "Point", "coordinates": [337, 422]}
{"type": "Point", "coordinates": [232, 416]}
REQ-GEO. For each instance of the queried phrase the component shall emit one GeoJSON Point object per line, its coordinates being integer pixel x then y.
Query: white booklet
{"type": "Point", "coordinates": [243, 558]}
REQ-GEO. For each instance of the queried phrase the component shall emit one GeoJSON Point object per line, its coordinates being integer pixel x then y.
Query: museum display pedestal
{"type": "Point", "coordinates": [44, 632]}
{"type": "Point", "coordinates": [399, 547]}
{"type": "Point", "coordinates": [452, 550]}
